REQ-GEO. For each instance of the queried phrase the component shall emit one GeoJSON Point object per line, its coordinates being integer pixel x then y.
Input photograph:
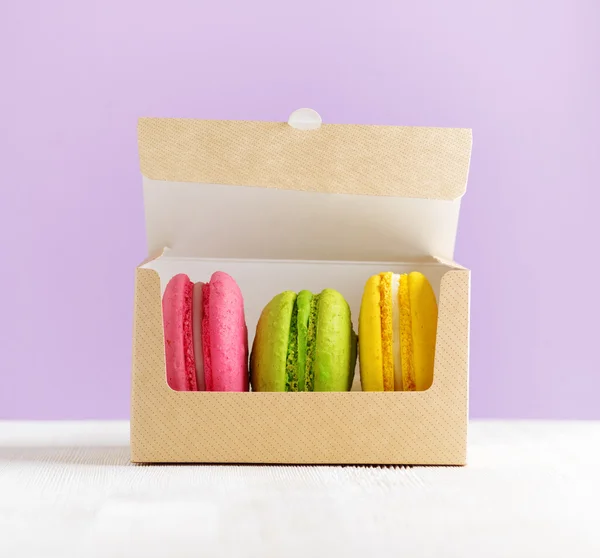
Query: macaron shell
{"type": "Point", "coordinates": [269, 350]}
{"type": "Point", "coordinates": [227, 334]}
{"type": "Point", "coordinates": [424, 315]}
{"type": "Point", "coordinates": [369, 337]}
{"type": "Point", "coordinates": [333, 352]}
{"type": "Point", "coordinates": [353, 357]}
{"type": "Point", "coordinates": [179, 346]}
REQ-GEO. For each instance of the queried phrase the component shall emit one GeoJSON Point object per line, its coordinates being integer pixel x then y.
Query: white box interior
{"type": "Point", "coordinates": [222, 221]}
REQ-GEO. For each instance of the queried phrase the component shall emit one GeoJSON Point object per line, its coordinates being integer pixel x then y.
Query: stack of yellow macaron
{"type": "Point", "coordinates": [396, 332]}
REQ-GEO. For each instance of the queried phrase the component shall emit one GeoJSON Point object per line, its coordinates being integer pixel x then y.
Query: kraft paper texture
{"type": "Point", "coordinates": [411, 162]}
{"type": "Point", "coordinates": [321, 428]}
{"type": "Point", "coordinates": [369, 428]}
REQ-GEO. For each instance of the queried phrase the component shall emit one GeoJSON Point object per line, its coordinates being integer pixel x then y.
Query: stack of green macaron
{"type": "Point", "coordinates": [304, 342]}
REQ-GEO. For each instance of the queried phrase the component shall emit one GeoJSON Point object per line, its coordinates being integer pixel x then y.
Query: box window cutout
{"type": "Point", "coordinates": [260, 280]}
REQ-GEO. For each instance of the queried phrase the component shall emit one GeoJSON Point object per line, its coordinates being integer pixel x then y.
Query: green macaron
{"type": "Point", "coordinates": [304, 342]}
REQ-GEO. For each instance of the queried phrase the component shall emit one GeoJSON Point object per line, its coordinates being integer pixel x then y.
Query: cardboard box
{"type": "Point", "coordinates": [284, 208]}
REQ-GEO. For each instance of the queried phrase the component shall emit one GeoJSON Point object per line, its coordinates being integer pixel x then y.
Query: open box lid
{"type": "Point", "coordinates": [302, 190]}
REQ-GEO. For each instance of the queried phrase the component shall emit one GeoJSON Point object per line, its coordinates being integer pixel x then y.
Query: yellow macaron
{"type": "Point", "coordinates": [396, 332]}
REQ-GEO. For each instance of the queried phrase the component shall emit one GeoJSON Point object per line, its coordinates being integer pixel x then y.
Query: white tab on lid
{"type": "Point", "coordinates": [305, 119]}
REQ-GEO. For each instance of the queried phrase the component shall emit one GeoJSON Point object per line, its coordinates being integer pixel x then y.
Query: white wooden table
{"type": "Point", "coordinates": [531, 489]}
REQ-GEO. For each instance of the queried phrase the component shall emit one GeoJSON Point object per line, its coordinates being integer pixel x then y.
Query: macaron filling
{"type": "Point", "coordinates": [197, 313]}
{"type": "Point", "coordinates": [299, 372]}
{"type": "Point", "coordinates": [291, 363]}
{"type": "Point", "coordinates": [204, 334]}
{"type": "Point", "coordinates": [387, 334]}
{"type": "Point", "coordinates": [396, 332]}
{"type": "Point", "coordinates": [311, 344]}
{"type": "Point", "coordinates": [188, 345]}
{"type": "Point", "coordinates": [303, 300]}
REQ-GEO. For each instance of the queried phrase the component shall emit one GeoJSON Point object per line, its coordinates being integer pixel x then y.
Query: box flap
{"type": "Point", "coordinates": [236, 189]}
{"type": "Point", "coordinates": [412, 162]}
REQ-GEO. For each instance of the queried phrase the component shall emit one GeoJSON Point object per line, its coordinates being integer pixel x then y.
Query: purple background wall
{"type": "Point", "coordinates": [76, 75]}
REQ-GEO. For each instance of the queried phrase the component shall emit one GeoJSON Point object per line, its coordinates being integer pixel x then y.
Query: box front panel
{"type": "Point", "coordinates": [354, 428]}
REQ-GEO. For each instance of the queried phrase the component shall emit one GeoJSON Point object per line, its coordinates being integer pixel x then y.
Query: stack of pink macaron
{"type": "Point", "coordinates": [206, 339]}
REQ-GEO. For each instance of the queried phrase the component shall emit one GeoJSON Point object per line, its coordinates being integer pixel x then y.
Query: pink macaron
{"type": "Point", "coordinates": [206, 339]}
